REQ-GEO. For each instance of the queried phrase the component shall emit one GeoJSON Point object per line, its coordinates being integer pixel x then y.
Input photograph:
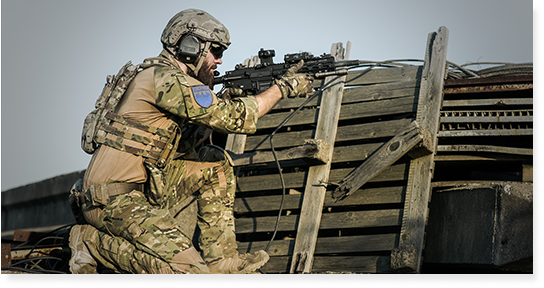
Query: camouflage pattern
{"type": "Point", "coordinates": [196, 22]}
{"type": "Point", "coordinates": [294, 84]}
{"type": "Point", "coordinates": [119, 255]}
{"type": "Point", "coordinates": [138, 224]}
{"type": "Point", "coordinates": [174, 94]}
{"type": "Point", "coordinates": [156, 150]}
{"type": "Point", "coordinates": [213, 185]}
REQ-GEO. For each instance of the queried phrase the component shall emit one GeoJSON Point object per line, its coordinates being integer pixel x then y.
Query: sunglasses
{"type": "Point", "coordinates": [217, 52]}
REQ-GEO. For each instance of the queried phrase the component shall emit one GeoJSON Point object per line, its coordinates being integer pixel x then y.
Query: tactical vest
{"type": "Point", "coordinates": [99, 123]}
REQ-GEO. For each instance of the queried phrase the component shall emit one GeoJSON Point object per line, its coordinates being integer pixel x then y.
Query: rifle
{"type": "Point", "coordinates": [253, 80]}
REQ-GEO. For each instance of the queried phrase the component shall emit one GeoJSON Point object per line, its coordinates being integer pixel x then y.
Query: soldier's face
{"type": "Point", "coordinates": [205, 75]}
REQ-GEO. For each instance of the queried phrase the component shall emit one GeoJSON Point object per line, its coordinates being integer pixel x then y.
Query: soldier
{"type": "Point", "coordinates": [146, 161]}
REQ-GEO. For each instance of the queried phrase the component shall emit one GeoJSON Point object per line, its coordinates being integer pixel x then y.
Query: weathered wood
{"type": "Point", "coordinates": [401, 105]}
{"type": "Point", "coordinates": [352, 264]}
{"type": "Point", "coordinates": [380, 91]}
{"type": "Point", "coordinates": [236, 143]}
{"type": "Point", "coordinates": [326, 245]}
{"type": "Point", "coordinates": [490, 158]}
{"type": "Point", "coordinates": [312, 152]}
{"type": "Point", "coordinates": [488, 102]}
{"type": "Point", "coordinates": [370, 196]}
{"type": "Point", "coordinates": [485, 148]}
{"type": "Point", "coordinates": [297, 179]}
{"type": "Point", "coordinates": [365, 93]}
{"type": "Point", "coordinates": [364, 131]}
{"type": "Point", "coordinates": [382, 158]}
{"type": "Point", "coordinates": [334, 264]}
{"type": "Point", "coordinates": [339, 220]}
{"type": "Point", "coordinates": [314, 193]}
{"type": "Point", "coordinates": [407, 257]}
{"type": "Point", "coordinates": [375, 76]}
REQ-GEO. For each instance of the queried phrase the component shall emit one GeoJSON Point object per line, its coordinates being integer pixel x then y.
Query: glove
{"type": "Point", "coordinates": [230, 93]}
{"type": "Point", "coordinates": [294, 84]}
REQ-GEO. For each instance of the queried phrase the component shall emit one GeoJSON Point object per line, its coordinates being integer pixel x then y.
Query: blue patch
{"type": "Point", "coordinates": [203, 95]}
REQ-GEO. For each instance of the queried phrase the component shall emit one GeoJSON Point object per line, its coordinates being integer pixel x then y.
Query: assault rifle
{"type": "Point", "coordinates": [254, 80]}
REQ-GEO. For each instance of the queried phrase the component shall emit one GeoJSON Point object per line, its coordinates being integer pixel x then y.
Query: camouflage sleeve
{"type": "Point", "coordinates": [187, 98]}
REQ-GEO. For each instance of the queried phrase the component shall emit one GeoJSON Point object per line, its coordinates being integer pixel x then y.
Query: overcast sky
{"type": "Point", "coordinates": [57, 53]}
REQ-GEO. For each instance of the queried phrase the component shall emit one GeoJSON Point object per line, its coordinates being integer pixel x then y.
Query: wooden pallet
{"type": "Point", "coordinates": [356, 118]}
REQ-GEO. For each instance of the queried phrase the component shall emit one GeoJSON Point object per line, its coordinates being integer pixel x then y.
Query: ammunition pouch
{"type": "Point", "coordinates": [75, 200]}
{"type": "Point", "coordinates": [102, 194]}
{"type": "Point", "coordinates": [96, 196]}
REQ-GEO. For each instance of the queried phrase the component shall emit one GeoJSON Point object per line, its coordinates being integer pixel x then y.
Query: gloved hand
{"type": "Point", "coordinates": [230, 93]}
{"type": "Point", "coordinates": [294, 84]}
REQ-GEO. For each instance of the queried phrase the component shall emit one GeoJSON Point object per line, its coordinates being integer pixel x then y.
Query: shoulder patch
{"type": "Point", "coordinates": [203, 95]}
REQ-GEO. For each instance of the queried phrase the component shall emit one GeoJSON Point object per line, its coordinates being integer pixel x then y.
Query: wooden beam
{"type": "Point", "coordinates": [381, 159]}
{"type": "Point", "coordinates": [407, 257]}
{"type": "Point", "coordinates": [314, 193]}
{"type": "Point", "coordinates": [313, 151]}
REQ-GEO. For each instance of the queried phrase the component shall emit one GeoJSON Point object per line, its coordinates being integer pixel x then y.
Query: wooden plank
{"type": "Point", "coordinates": [236, 143]}
{"type": "Point", "coordinates": [365, 93]}
{"type": "Point", "coordinates": [379, 75]}
{"type": "Point", "coordinates": [334, 264]}
{"type": "Point", "coordinates": [484, 148]}
{"type": "Point", "coordinates": [297, 179]}
{"type": "Point", "coordinates": [369, 196]}
{"type": "Point", "coordinates": [382, 158]}
{"type": "Point", "coordinates": [314, 193]}
{"type": "Point", "coordinates": [327, 245]}
{"type": "Point", "coordinates": [312, 152]}
{"type": "Point", "coordinates": [407, 257]}
{"type": "Point", "coordinates": [401, 105]}
{"type": "Point", "coordinates": [380, 91]}
{"type": "Point", "coordinates": [352, 264]}
{"type": "Point", "coordinates": [366, 131]}
{"type": "Point", "coordinates": [339, 220]}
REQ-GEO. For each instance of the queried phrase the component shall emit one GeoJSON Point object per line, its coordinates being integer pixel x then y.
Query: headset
{"type": "Point", "coordinates": [189, 48]}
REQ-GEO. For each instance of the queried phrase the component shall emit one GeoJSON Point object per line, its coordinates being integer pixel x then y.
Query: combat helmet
{"type": "Point", "coordinates": [195, 23]}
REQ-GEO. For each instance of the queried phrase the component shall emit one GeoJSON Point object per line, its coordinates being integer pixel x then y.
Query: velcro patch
{"type": "Point", "coordinates": [203, 95]}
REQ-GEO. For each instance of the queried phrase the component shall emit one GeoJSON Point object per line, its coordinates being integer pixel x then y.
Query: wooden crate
{"type": "Point", "coordinates": [315, 234]}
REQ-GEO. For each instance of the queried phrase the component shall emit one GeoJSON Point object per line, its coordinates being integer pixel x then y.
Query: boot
{"type": "Point", "coordinates": [238, 264]}
{"type": "Point", "coordinates": [81, 261]}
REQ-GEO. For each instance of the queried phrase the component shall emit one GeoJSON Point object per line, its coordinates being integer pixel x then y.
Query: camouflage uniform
{"type": "Point", "coordinates": [134, 231]}
{"type": "Point", "coordinates": [144, 131]}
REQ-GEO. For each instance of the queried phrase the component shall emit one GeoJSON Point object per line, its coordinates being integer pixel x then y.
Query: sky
{"type": "Point", "coordinates": [55, 54]}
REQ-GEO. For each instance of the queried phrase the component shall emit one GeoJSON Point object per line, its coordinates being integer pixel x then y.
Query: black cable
{"type": "Point", "coordinates": [278, 162]}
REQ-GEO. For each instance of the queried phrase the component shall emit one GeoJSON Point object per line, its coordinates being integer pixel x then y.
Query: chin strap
{"type": "Point", "coordinates": [200, 59]}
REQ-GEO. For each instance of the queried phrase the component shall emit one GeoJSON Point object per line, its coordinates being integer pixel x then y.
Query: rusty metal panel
{"type": "Point", "coordinates": [6, 254]}
{"type": "Point", "coordinates": [488, 80]}
{"type": "Point", "coordinates": [488, 88]}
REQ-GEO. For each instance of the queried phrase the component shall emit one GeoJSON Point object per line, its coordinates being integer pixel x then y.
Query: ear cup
{"type": "Point", "coordinates": [189, 49]}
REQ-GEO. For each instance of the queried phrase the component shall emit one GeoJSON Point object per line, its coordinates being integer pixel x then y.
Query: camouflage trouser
{"type": "Point", "coordinates": [140, 224]}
